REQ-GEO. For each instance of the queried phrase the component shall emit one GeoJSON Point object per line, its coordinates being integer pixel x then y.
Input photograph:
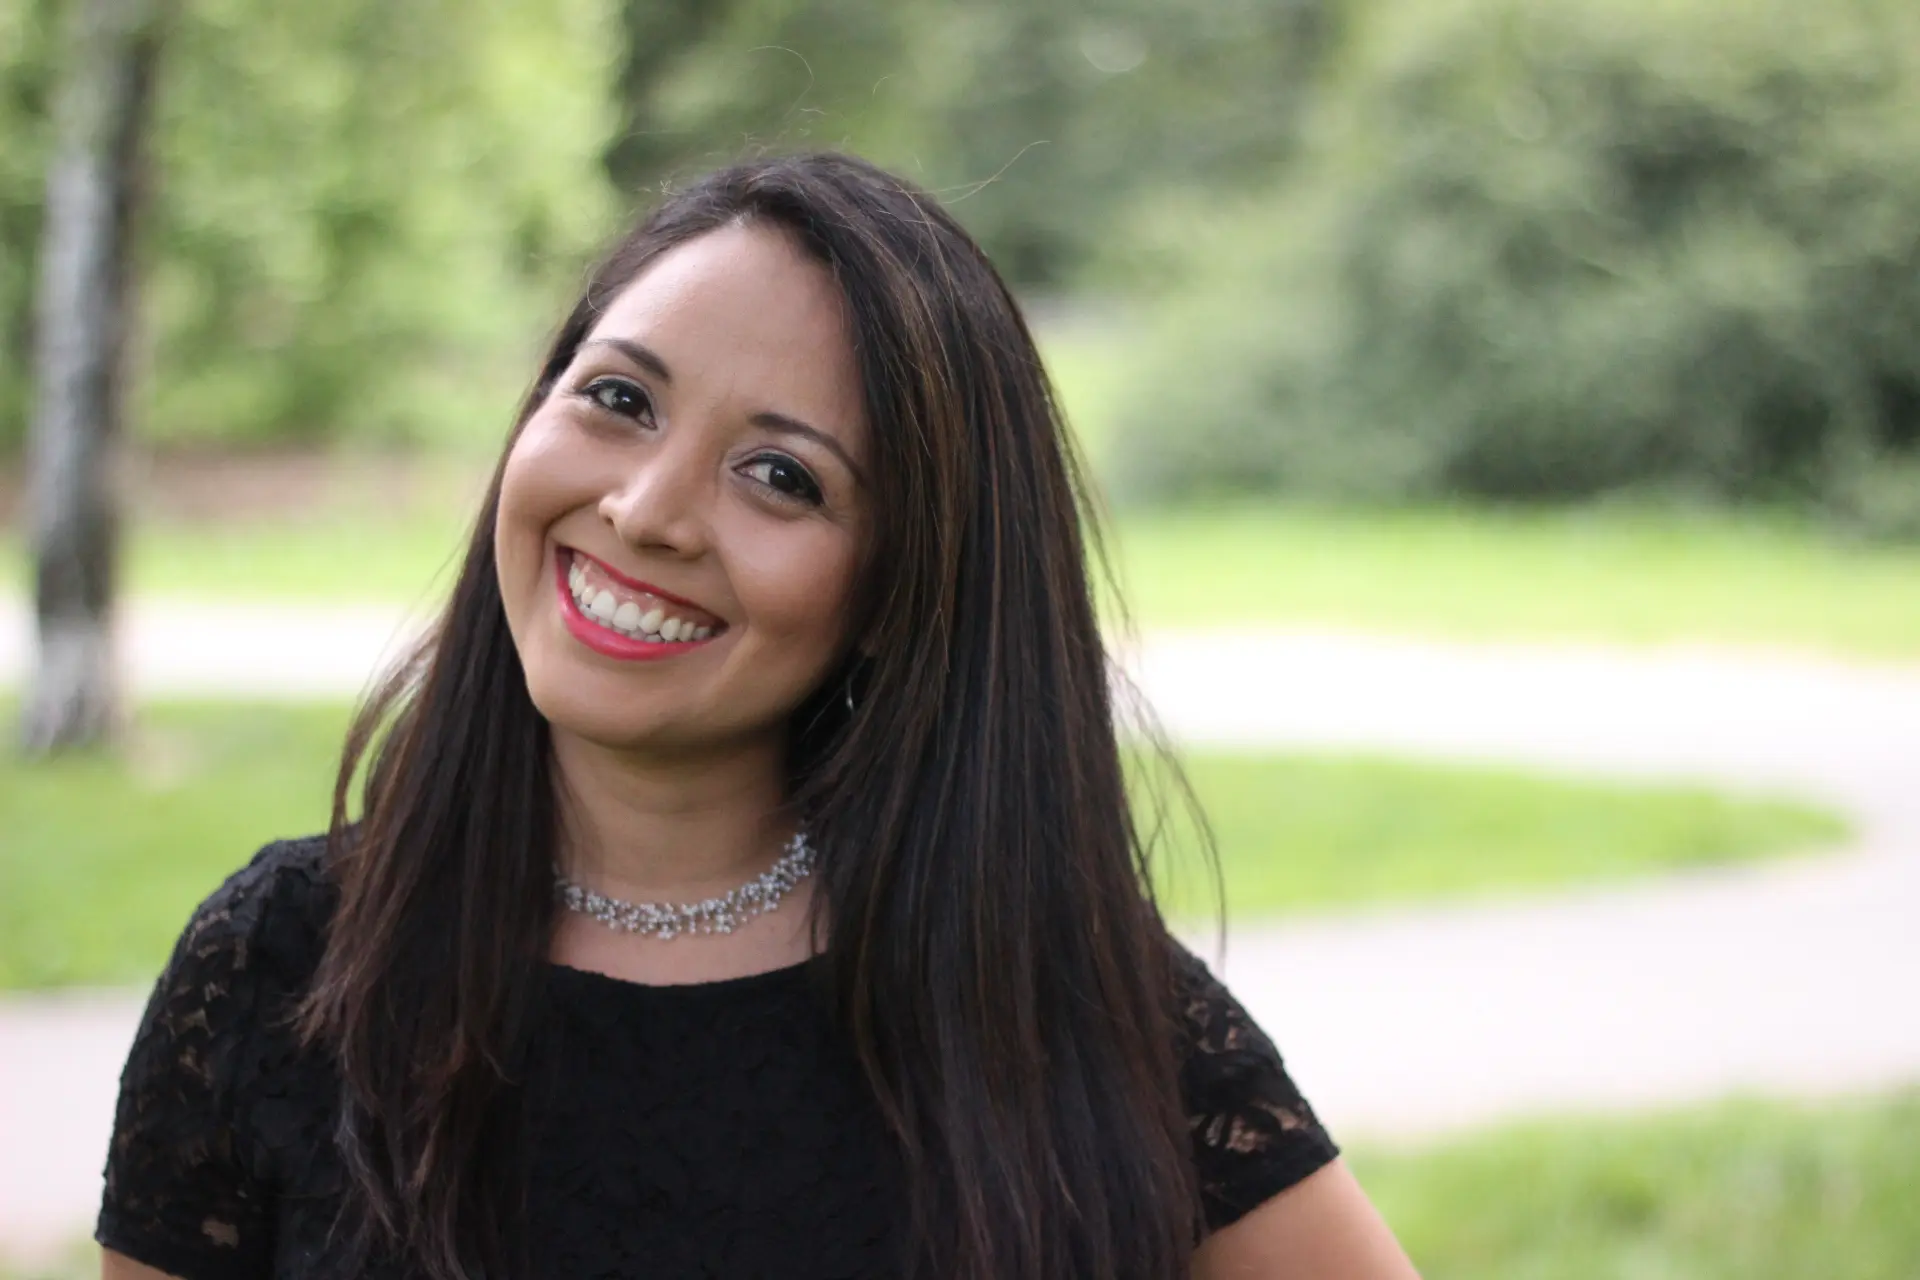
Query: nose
{"type": "Point", "coordinates": [661, 502]}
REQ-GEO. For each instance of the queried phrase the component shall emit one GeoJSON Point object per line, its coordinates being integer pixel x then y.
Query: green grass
{"type": "Point", "coordinates": [103, 859]}
{"type": "Point", "coordinates": [1306, 832]}
{"type": "Point", "coordinates": [331, 556]}
{"type": "Point", "coordinates": [1599, 575]}
{"type": "Point", "coordinates": [1741, 1191]}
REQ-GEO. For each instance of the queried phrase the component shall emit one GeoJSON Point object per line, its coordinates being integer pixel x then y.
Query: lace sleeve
{"type": "Point", "coordinates": [185, 1191]}
{"type": "Point", "coordinates": [1253, 1133]}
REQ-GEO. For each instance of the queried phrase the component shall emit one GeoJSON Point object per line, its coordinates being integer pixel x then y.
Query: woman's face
{"type": "Point", "coordinates": [681, 519]}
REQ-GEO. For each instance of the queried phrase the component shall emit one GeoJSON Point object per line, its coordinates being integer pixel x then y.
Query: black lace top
{"type": "Point", "coordinates": [719, 1129]}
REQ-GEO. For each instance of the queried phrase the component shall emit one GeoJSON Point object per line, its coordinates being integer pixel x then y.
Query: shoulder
{"type": "Point", "coordinates": [269, 918]}
{"type": "Point", "coordinates": [1254, 1133]}
{"type": "Point", "coordinates": [246, 953]}
{"type": "Point", "coordinates": [191, 1164]}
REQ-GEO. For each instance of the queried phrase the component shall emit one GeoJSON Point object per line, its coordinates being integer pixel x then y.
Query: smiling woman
{"type": "Point", "coordinates": [672, 484]}
{"type": "Point", "coordinates": [743, 881]}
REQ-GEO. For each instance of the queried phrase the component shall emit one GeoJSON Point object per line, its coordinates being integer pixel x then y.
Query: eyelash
{"type": "Point", "coordinates": [810, 494]}
{"type": "Point", "coordinates": [591, 393]}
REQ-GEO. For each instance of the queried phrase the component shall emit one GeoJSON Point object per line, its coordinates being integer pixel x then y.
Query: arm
{"type": "Point", "coordinates": [117, 1266]}
{"type": "Point", "coordinates": [1321, 1228]}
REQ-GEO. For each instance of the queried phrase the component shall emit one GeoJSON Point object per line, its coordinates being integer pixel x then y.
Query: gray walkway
{"type": "Point", "coordinates": [1795, 979]}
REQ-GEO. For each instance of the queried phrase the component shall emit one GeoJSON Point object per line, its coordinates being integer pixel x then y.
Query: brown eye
{"type": "Point", "coordinates": [785, 477]}
{"type": "Point", "coordinates": [617, 395]}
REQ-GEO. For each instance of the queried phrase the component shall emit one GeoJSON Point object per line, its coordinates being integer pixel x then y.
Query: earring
{"type": "Point", "coordinates": [849, 689]}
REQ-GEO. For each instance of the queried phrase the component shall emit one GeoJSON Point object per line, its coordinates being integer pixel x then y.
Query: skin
{"type": "Point", "coordinates": [1321, 1228]}
{"type": "Point", "coordinates": [670, 771]}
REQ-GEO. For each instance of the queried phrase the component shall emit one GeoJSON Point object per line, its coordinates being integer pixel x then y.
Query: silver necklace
{"type": "Point", "coordinates": [723, 914]}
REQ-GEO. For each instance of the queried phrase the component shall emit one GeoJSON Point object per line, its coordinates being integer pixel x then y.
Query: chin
{"type": "Point", "coordinates": [577, 708]}
{"type": "Point", "coordinates": [632, 721]}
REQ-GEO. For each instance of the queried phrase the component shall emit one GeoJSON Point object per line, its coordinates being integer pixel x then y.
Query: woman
{"type": "Point", "coordinates": [777, 618]}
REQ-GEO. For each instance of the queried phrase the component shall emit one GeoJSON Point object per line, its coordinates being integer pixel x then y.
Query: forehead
{"type": "Point", "coordinates": [741, 313]}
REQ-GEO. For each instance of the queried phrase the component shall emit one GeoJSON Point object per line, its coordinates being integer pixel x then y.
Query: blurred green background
{"type": "Point", "coordinates": [1590, 320]}
{"type": "Point", "coordinates": [1355, 249]}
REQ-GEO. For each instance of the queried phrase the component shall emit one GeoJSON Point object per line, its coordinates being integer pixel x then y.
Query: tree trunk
{"type": "Point", "coordinates": [101, 103]}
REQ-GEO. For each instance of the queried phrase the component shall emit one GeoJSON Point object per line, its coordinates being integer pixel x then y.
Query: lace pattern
{"type": "Point", "coordinates": [1254, 1135]}
{"type": "Point", "coordinates": [187, 1175]}
{"type": "Point", "coordinates": [716, 1130]}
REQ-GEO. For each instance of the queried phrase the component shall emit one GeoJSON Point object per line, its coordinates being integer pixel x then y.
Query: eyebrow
{"type": "Point", "coordinates": [644, 356]}
{"type": "Point", "coordinates": [779, 423]}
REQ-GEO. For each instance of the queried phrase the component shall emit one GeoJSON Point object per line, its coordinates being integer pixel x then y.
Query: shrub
{"type": "Point", "coordinates": [1554, 248]}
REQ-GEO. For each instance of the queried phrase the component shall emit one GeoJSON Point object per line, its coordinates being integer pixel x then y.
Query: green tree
{"type": "Point", "coordinates": [370, 211]}
{"type": "Point", "coordinates": [364, 213]}
{"type": "Point", "coordinates": [26, 73]}
{"type": "Point", "coordinates": [1551, 249]}
{"type": "Point", "coordinates": [1044, 122]}
{"type": "Point", "coordinates": [83, 307]}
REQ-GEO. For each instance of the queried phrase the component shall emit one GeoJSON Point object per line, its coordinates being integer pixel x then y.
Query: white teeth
{"type": "Point", "coordinates": [626, 615]}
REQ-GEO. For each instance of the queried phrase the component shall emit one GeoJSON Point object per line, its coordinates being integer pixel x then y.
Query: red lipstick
{"type": "Point", "coordinates": [605, 640]}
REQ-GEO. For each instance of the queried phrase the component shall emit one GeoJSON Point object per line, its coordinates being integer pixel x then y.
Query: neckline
{"type": "Point", "coordinates": [766, 979]}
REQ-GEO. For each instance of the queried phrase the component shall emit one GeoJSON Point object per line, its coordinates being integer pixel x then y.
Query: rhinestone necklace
{"type": "Point", "coordinates": [723, 914]}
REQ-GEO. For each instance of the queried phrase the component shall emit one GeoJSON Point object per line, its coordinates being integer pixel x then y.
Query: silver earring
{"type": "Point", "coordinates": [849, 688]}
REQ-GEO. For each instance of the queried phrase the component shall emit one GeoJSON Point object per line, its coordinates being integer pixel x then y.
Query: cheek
{"type": "Point", "coordinates": [798, 591]}
{"type": "Point", "coordinates": [537, 487]}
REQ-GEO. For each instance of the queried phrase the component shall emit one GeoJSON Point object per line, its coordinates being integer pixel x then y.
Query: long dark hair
{"type": "Point", "coordinates": [994, 953]}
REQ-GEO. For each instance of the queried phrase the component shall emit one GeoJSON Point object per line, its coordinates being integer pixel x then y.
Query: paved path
{"type": "Point", "coordinates": [1791, 979]}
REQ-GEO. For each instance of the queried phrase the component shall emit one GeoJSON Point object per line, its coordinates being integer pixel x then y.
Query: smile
{"type": "Point", "coordinates": [624, 618]}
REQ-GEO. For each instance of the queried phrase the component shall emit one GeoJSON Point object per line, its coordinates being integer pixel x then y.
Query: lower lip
{"type": "Point", "coordinates": [611, 643]}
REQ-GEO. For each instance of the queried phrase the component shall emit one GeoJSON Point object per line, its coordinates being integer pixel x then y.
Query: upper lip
{"type": "Point", "coordinates": [636, 584]}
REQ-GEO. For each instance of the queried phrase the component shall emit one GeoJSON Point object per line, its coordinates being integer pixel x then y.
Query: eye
{"type": "Point", "coordinates": [784, 476]}
{"type": "Point", "coordinates": [618, 395]}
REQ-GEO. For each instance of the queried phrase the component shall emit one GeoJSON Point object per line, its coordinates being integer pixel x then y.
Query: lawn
{"type": "Point", "coordinates": [1739, 1191]}
{"type": "Point", "coordinates": [1600, 575]}
{"type": "Point", "coordinates": [1306, 832]}
{"type": "Point", "coordinates": [347, 554]}
{"type": "Point", "coordinates": [103, 860]}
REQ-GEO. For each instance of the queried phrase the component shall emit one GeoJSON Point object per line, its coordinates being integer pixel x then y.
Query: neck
{"type": "Point", "coordinates": [655, 829]}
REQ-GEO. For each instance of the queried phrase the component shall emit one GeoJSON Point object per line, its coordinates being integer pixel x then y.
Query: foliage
{"type": "Point", "coordinates": [1549, 250]}
{"type": "Point", "coordinates": [26, 41]}
{"type": "Point", "coordinates": [105, 857]}
{"type": "Point", "coordinates": [364, 214]}
{"type": "Point", "coordinates": [1045, 120]}
{"type": "Point", "coordinates": [1754, 1190]}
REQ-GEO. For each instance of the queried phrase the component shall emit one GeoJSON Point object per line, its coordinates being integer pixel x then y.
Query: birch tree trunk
{"type": "Point", "coordinates": [84, 311]}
